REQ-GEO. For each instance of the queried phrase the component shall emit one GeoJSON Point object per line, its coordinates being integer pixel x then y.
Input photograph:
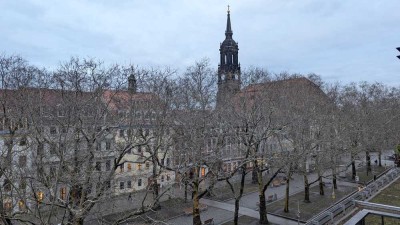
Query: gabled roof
{"type": "Point", "coordinates": [289, 94]}
{"type": "Point", "coordinates": [121, 100]}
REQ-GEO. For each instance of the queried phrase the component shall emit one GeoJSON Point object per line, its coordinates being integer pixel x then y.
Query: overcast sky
{"type": "Point", "coordinates": [341, 40]}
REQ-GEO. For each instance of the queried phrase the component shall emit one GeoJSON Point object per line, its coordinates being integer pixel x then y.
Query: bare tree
{"type": "Point", "coordinates": [194, 99]}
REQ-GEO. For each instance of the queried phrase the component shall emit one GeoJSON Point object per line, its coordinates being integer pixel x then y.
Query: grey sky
{"type": "Point", "coordinates": [341, 40]}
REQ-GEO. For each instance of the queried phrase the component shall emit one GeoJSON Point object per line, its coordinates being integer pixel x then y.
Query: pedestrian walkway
{"type": "Point", "coordinates": [248, 212]}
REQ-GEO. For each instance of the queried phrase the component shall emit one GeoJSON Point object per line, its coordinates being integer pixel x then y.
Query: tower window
{"type": "Point", "coordinates": [53, 149]}
{"type": "Point", "coordinates": [108, 145]}
{"type": "Point", "coordinates": [98, 146]}
{"type": "Point", "coordinates": [98, 166]}
{"type": "Point", "coordinates": [108, 165]}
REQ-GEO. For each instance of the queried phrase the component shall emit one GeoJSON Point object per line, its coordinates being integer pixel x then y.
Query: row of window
{"type": "Point", "coordinates": [128, 184]}
{"type": "Point", "coordinates": [229, 167]}
{"type": "Point", "coordinates": [66, 130]}
{"type": "Point", "coordinates": [129, 166]}
{"type": "Point", "coordinates": [7, 206]}
{"type": "Point", "coordinates": [55, 148]}
{"type": "Point", "coordinates": [146, 115]}
{"type": "Point", "coordinates": [139, 166]}
{"type": "Point", "coordinates": [128, 132]}
{"type": "Point", "coordinates": [7, 186]}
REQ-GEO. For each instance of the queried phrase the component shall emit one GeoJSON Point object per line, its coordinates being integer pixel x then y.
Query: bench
{"type": "Point", "coordinates": [276, 183]}
{"type": "Point", "coordinates": [188, 211]}
{"type": "Point", "coordinates": [209, 222]}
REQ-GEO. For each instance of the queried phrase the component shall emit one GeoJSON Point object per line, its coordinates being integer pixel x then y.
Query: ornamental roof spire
{"type": "Point", "coordinates": [228, 31]}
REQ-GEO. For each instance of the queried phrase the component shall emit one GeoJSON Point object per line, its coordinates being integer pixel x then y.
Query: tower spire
{"type": "Point", "coordinates": [229, 67]}
{"type": "Point", "coordinates": [228, 31]}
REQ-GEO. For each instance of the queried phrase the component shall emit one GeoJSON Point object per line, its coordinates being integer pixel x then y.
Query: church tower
{"type": "Point", "coordinates": [228, 68]}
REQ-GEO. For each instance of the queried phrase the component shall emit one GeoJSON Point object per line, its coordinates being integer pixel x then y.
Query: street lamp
{"type": "Point", "coordinates": [398, 49]}
{"type": "Point", "coordinates": [298, 212]}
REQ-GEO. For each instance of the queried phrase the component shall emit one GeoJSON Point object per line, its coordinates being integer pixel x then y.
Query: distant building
{"type": "Point", "coordinates": [64, 135]}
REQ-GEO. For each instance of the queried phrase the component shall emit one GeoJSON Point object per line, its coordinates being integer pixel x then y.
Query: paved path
{"type": "Point", "coordinates": [248, 212]}
{"type": "Point", "coordinates": [223, 211]}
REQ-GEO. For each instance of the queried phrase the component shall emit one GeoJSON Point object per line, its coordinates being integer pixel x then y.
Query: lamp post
{"type": "Point", "coordinates": [298, 212]}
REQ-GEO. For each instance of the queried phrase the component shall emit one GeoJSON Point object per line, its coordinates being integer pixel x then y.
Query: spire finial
{"type": "Point", "coordinates": [228, 9]}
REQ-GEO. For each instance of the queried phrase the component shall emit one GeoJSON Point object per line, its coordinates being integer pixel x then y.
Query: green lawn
{"type": "Point", "coordinates": [365, 176]}
{"type": "Point", "coordinates": [308, 210]}
{"type": "Point", "coordinates": [246, 220]}
{"type": "Point", "coordinates": [390, 195]}
{"type": "Point", "coordinates": [225, 193]}
{"type": "Point", "coordinates": [169, 209]}
{"type": "Point", "coordinates": [377, 220]}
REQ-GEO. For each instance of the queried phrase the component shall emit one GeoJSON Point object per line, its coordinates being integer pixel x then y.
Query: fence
{"type": "Point", "coordinates": [348, 203]}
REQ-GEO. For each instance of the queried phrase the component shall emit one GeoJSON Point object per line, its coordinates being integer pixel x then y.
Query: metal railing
{"type": "Point", "coordinates": [328, 215]}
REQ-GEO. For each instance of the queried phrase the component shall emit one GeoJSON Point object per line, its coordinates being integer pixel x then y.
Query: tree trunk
{"type": "Point", "coordinates": [353, 170]}
{"type": "Point", "coordinates": [254, 176]}
{"type": "Point", "coordinates": [186, 187]}
{"type": "Point", "coordinates": [196, 208]}
{"type": "Point", "coordinates": [236, 213]}
{"type": "Point", "coordinates": [263, 208]}
{"type": "Point", "coordinates": [321, 186]}
{"type": "Point", "coordinates": [77, 221]}
{"type": "Point", "coordinates": [334, 180]}
{"type": "Point", "coordinates": [157, 205]}
{"type": "Point", "coordinates": [237, 199]}
{"type": "Point", "coordinates": [368, 157]}
{"type": "Point", "coordinates": [156, 189]}
{"type": "Point", "coordinates": [261, 199]}
{"type": "Point", "coordinates": [306, 190]}
{"type": "Point", "coordinates": [286, 209]}
{"type": "Point", "coordinates": [6, 221]}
